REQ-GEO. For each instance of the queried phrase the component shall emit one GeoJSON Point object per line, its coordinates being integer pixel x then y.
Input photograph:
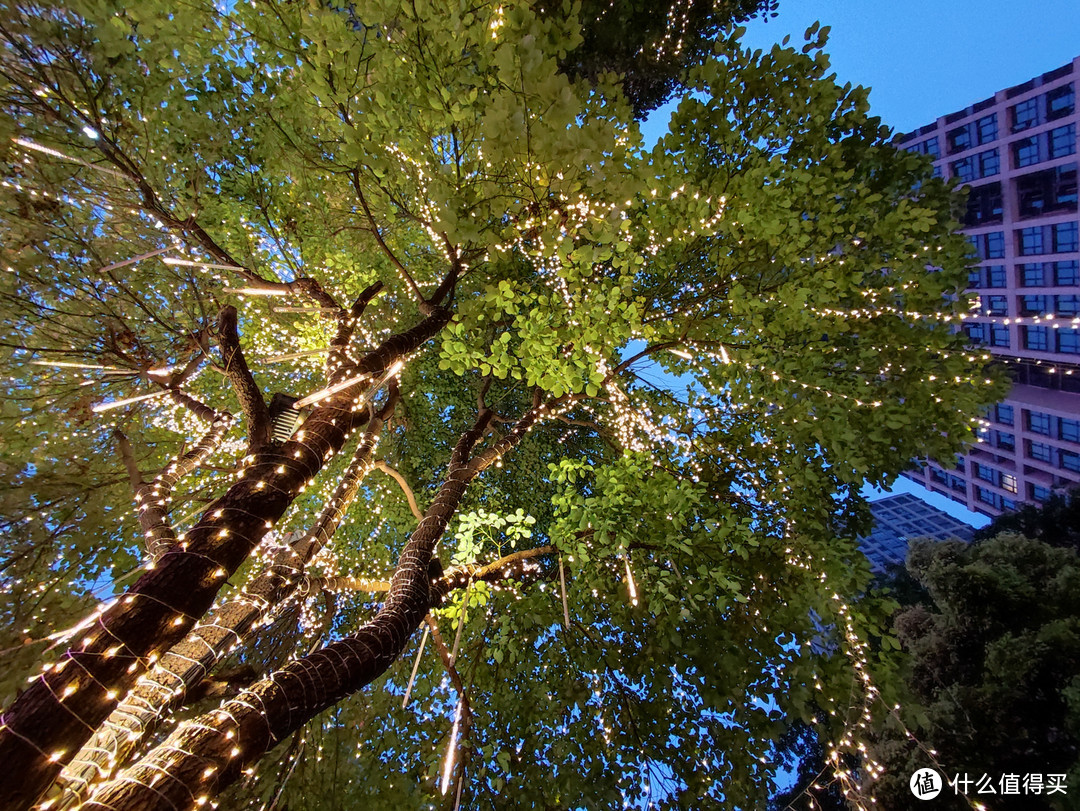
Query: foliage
{"type": "Point", "coordinates": [994, 665]}
{"type": "Point", "coordinates": [773, 252]}
{"type": "Point", "coordinates": [649, 44]}
{"type": "Point", "coordinates": [802, 750]}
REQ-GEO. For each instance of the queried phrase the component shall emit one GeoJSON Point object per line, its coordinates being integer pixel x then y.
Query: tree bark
{"type": "Point", "coordinates": [202, 757]}
{"type": "Point", "coordinates": [153, 499]}
{"type": "Point", "coordinates": [46, 725]}
{"type": "Point", "coordinates": [165, 686]}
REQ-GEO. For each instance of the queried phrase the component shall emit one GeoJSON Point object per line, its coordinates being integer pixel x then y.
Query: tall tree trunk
{"type": "Point", "coordinates": [46, 725]}
{"type": "Point", "coordinates": [189, 661]}
{"type": "Point", "coordinates": [202, 757]}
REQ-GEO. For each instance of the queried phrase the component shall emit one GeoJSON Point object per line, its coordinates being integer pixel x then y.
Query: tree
{"type": "Point", "coordinates": [472, 270]}
{"type": "Point", "coordinates": [994, 667]}
{"type": "Point", "coordinates": [649, 45]}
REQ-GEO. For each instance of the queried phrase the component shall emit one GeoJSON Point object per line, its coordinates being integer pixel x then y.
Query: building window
{"type": "Point", "coordinates": [1032, 305]}
{"type": "Point", "coordinates": [999, 335]}
{"type": "Point", "coordinates": [984, 205]}
{"type": "Point", "coordinates": [1026, 152]}
{"type": "Point", "coordinates": [1038, 423]}
{"type": "Point", "coordinates": [986, 128]}
{"type": "Point", "coordinates": [1030, 242]}
{"type": "Point", "coordinates": [987, 474]}
{"type": "Point", "coordinates": [927, 147]}
{"type": "Point", "coordinates": [1062, 141]}
{"type": "Point", "coordinates": [1048, 190]}
{"type": "Point", "coordinates": [988, 246]}
{"type": "Point", "coordinates": [959, 139]}
{"type": "Point", "coordinates": [989, 163]}
{"type": "Point", "coordinates": [1008, 504]}
{"type": "Point", "coordinates": [1007, 442]}
{"type": "Point", "coordinates": [1060, 102]}
{"type": "Point", "coordinates": [1067, 305]}
{"type": "Point", "coordinates": [1038, 493]}
{"type": "Point", "coordinates": [1039, 451]}
{"type": "Point", "coordinates": [1068, 341]}
{"type": "Point", "coordinates": [997, 305]}
{"type": "Point", "coordinates": [1032, 275]}
{"type": "Point", "coordinates": [938, 476]}
{"type": "Point", "coordinates": [976, 333]}
{"type": "Point", "coordinates": [1008, 482]}
{"type": "Point", "coordinates": [1066, 237]}
{"type": "Point", "coordinates": [964, 169]}
{"type": "Point", "coordinates": [1066, 273]}
{"type": "Point", "coordinates": [1004, 414]}
{"type": "Point", "coordinates": [991, 276]}
{"type": "Point", "coordinates": [1069, 430]}
{"type": "Point", "coordinates": [985, 496]}
{"type": "Point", "coordinates": [1069, 460]}
{"type": "Point", "coordinates": [1034, 338]}
{"type": "Point", "coordinates": [1025, 115]}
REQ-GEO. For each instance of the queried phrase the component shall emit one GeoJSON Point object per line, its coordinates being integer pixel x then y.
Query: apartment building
{"type": "Point", "coordinates": [900, 519]}
{"type": "Point", "coordinates": [1017, 150]}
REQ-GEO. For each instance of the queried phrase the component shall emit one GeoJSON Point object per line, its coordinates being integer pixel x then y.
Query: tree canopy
{"type": "Point", "coordinates": [992, 652]}
{"type": "Point", "coordinates": [593, 413]}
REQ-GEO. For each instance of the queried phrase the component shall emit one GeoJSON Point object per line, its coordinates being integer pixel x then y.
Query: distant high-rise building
{"type": "Point", "coordinates": [900, 519]}
{"type": "Point", "coordinates": [1017, 150]}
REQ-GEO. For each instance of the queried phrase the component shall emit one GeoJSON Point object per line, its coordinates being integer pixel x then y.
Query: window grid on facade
{"type": "Point", "coordinates": [1035, 338]}
{"type": "Point", "coordinates": [1032, 305]}
{"type": "Point", "coordinates": [1033, 129]}
{"type": "Point", "coordinates": [1062, 141]}
{"type": "Point", "coordinates": [1025, 114]}
{"type": "Point", "coordinates": [1066, 273]}
{"type": "Point", "coordinates": [1069, 460]}
{"type": "Point", "coordinates": [1038, 423]}
{"type": "Point", "coordinates": [1032, 275]}
{"type": "Point", "coordinates": [1069, 430]}
{"type": "Point", "coordinates": [1068, 341]}
{"type": "Point", "coordinates": [1060, 102]}
{"type": "Point", "coordinates": [1039, 451]}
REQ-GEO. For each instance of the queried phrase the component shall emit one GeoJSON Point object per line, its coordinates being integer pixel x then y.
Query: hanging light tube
{"type": "Point", "coordinates": [118, 403]}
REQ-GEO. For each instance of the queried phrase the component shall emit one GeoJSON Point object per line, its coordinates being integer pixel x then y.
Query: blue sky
{"type": "Point", "coordinates": [925, 59]}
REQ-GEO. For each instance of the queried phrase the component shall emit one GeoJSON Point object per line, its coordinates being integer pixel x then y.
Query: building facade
{"type": "Point", "coordinates": [1017, 150]}
{"type": "Point", "coordinates": [900, 519]}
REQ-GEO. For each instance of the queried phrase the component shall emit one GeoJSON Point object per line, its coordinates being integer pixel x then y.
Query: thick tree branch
{"type": "Point", "coordinates": [275, 707]}
{"type": "Point", "coordinates": [347, 320]}
{"type": "Point", "coordinates": [192, 659]}
{"type": "Point", "coordinates": [42, 729]}
{"type": "Point", "coordinates": [256, 414]}
{"type": "Point", "coordinates": [153, 498]}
